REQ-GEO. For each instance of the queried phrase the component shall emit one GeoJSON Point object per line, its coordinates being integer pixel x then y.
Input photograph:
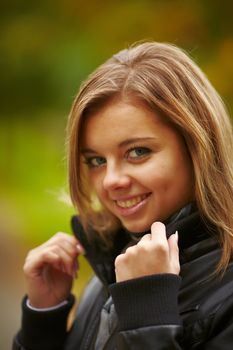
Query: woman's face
{"type": "Point", "coordinates": [138, 165]}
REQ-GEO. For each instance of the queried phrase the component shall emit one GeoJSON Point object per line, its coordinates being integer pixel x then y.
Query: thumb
{"type": "Point", "coordinates": [174, 253]}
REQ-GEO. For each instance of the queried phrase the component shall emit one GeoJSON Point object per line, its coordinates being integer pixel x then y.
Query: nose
{"type": "Point", "coordinates": [115, 177]}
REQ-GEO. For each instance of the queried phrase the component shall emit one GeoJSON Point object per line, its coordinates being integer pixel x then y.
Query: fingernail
{"type": "Point", "coordinates": [80, 249]}
{"type": "Point", "coordinates": [176, 236]}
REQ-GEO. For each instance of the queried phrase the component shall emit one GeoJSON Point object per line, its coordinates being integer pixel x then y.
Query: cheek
{"type": "Point", "coordinates": [161, 170]}
{"type": "Point", "coordinates": [96, 183]}
{"type": "Point", "coordinates": [178, 180]}
{"type": "Point", "coordinates": [167, 175]}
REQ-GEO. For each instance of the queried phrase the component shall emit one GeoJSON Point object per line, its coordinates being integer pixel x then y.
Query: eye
{"type": "Point", "coordinates": [94, 162]}
{"type": "Point", "coordinates": [138, 152]}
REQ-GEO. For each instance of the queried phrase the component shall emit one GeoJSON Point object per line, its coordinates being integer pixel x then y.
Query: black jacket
{"type": "Point", "coordinates": [190, 311]}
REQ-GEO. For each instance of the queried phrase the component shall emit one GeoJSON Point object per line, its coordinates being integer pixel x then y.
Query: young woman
{"type": "Point", "coordinates": [150, 172]}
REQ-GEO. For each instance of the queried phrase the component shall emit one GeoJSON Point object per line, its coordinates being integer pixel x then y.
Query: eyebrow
{"type": "Point", "coordinates": [123, 143]}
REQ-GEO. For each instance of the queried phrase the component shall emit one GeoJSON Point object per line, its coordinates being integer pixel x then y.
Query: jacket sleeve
{"type": "Point", "coordinates": [45, 330]}
{"type": "Point", "coordinates": [148, 314]}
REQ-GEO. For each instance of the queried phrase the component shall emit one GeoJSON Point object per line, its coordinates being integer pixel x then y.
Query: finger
{"type": "Point", "coordinates": [34, 265]}
{"type": "Point", "coordinates": [67, 260]}
{"type": "Point", "coordinates": [75, 268]}
{"type": "Point", "coordinates": [80, 249]}
{"type": "Point", "coordinates": [62, 260]}
{"type": "Point", "coordinates": [174, 253]}
{"type": "Point", "coordinates": [70, 243]}
{"type": "Point", "coordinates": [65, 241]}
{"type": "Point", "coordinates": [146, 237]}
{"type": "Point", "coordinates": [60, 238]}
{"type": "Point", "coordinates": [158, 232]}
{"type": "Point", "coordinates": [67, 256]}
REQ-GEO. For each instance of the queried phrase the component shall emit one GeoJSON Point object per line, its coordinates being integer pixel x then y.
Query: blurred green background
{"type": "Point", "coordinates": [47, 48]}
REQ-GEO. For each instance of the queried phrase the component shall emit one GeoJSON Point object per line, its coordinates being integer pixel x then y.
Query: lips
{"type": "Point", "coordinates": [129, 203]}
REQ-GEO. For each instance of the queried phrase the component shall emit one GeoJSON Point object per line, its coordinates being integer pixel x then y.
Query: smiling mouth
{"type": "Point", "coordinates": [129, 203]}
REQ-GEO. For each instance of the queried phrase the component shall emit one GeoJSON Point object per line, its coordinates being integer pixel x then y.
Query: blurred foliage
{"type": "Point", "coordinates": [47, 49]}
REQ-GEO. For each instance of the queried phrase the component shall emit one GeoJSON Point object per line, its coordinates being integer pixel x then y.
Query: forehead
{"type": "Point", "coordinates": [121, 123]}
{"type": "Point", "coordinates": [119, 115]}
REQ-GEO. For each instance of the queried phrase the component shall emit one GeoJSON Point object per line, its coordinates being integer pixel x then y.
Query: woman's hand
{"type": "Point", "coordinates": [153, 254]}
{"type": "Point", "coordinates": [50, 268]}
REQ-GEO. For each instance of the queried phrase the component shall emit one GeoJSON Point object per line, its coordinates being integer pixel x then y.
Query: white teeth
{"type": "Point", "coordinates": [131, 202]}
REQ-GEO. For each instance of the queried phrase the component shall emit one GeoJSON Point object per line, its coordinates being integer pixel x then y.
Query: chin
{"type": "Point", "coordinates": [137, 228]}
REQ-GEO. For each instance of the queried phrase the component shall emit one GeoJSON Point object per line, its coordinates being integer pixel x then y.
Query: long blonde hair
{"type": "Point", "coordinates": [169, 82]}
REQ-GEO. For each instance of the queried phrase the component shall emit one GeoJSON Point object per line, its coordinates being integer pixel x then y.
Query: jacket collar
{"type": "Point", "coordinates": [191, 231]}
{"type": "Point", "coordinates": [100, 258]}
